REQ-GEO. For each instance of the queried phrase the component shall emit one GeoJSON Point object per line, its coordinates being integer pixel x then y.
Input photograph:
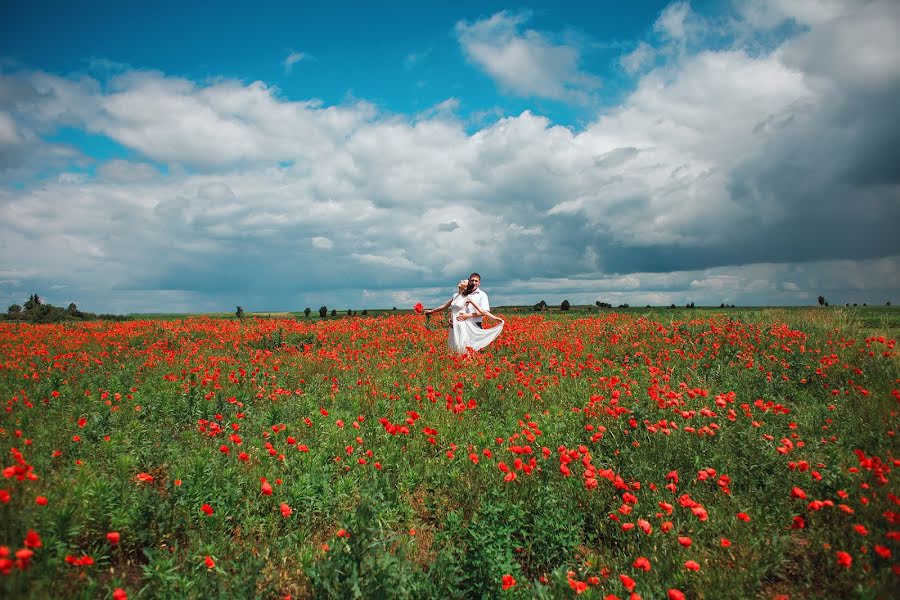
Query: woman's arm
{"type": "Point", "coordinates": [480, 312]}
{"type": "Point", "coordinates": [439, 308]}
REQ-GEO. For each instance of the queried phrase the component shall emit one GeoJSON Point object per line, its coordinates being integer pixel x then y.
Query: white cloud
{"type": "Point", "coordinates": [526, 63]}
{"type": "Point", "coordinates": [293, 58]}
{"type": "Point", "coordinates": [322, 243]}
{"type": "Point", "coordinates": [639, 58]}
{"type": "Point", "coordinates": [727, 175]}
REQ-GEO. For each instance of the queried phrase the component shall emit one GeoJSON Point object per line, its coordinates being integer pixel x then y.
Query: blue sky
{"type": "Point", "coordinates": [195, 156]}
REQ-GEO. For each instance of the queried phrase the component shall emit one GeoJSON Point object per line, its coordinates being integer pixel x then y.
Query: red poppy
{"type": "Point", "coordinates": [508, 580]}
{"type": "Point", "coordinates": [32, 539]}
{"type": "Point", "coordinates": [207, 509]}
{"type": "Point", "coordinates": [844, 559]}
{"type": "Point", "coordinates": [113, 537]}
{"type": "Point", "coordinates": [286, 510]}
{"type": "Point", "coordinates": [419, 309]}
{"type": "Point", "coordinates": [627, 581]}
{"type": "Point", "coordinates": [266, 488]}
{"type": "Point", "coordinates": [641, 562]}
{"type": "Point", "coordinates": [210, 563]}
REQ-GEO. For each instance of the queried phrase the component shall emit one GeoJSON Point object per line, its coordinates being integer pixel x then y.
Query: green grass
{"type": "Point", "coordinates": [770, 398]}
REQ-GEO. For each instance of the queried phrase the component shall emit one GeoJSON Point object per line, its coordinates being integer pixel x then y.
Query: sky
{"type": "Point", "coordinates": [196, 156]}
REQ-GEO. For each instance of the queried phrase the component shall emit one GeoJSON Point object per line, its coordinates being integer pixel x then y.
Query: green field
{"type": "Point", "coordinates": [720, 453]}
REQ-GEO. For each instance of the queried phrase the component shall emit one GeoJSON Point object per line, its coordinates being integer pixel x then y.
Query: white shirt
{"type": "Point", "coordinates": [481, 299]}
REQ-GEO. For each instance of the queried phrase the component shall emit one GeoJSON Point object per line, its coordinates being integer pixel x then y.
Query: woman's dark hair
{"type": "Point", "coordinates": [471, 288]}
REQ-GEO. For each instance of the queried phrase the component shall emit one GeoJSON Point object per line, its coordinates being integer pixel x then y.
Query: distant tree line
{"type": "Point", "coordinates": [36, 311]}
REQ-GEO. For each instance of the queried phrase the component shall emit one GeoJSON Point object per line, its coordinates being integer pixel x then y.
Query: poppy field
{"type": "Point", "coordinates": [655, 454]}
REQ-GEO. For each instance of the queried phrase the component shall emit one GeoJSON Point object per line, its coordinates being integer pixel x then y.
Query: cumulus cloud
{"type": "Point", "coordinates": [526, 63]}
{"type": "Point", "coordinates": [728, 175]}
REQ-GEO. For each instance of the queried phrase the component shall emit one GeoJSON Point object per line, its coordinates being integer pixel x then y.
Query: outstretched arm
{"type": "Point", "coordinates": [481, 312]}
{"type": "Point", "coordinates": [439, 308]}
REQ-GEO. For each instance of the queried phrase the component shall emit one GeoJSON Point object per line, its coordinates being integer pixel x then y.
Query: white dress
{"type": "Point", "coordinates": [466, 334]}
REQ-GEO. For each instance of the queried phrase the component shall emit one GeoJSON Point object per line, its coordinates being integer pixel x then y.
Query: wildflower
{"type": "Point", "coordinates": [844, 559]}
{"type": "Point", "coordinates": [32, 539]}
{"type": "Point", "coordinates": [641, 562]}
{"type": "Point", "coordinates": [419, 309]}
{"type": "Point", "coordinates": [692, 565]}
{"type": "Point", "coordinates": [266, 488]}
{"type": "Point", "coordinates": [119, 594]}
{"type": "Point", "coordinates": [207, 509]}
{"type": "Point", "coordinates": [113, 537]}
{"type": "Point", "coordinates": [41, 501]}
{"type": "Point", "coordinates": [286, 510]}
{"type": "Point", "coordinates": [210, 563]}
{"type": "Point", "coordinates": [507, 581]}
{"type": "Point", "coordinates": [627, 581]}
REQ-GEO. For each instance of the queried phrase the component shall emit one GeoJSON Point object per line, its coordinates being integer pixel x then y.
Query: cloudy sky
{"type": "Point", "coordinates": [196, 156]}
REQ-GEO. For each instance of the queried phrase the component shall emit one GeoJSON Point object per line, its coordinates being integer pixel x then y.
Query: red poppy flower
{"type": "Point", "coordinates": [844, 559]}
{"type": "Point", "coordinates": [692, 565]}
{"type": "Point", "coordinates": [419, 308]}
{"type": "Point", "coordinates": [266, 489]}
{"type": "Point", "coordinates": [113, 537]}
{"type": "Point", "coordinates": [286, 510]}
{"type": "Point", "coordinates": [627, 581]}
{"type": "Point", "coordinates": [207, 509]}
{"type": "Point", "coordinates": [508, 580]}
{"type": "Point", "coordinates": [641, 562]}
{"type": "Point", "coordinates": [210, 563]}
{"type": "Point", "coordinates": [32, 539]}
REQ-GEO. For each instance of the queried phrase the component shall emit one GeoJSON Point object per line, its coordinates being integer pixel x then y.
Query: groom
{"type": "Point", "coordinates": [477, 296]}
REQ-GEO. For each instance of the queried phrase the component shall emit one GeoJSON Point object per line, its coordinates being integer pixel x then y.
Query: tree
{"type": "Point", "coordinates": [333, 312]}
{"type": "Point", "coordinates": [306, 311]}
{"type": "Point", "coordinates": [349, 312]}
{"type": "Point", "coordinates": [888, 303]}
{"type": "Point", "coordinates": [33, 301]}
{"type": "Point", "coordinates": [365, 312]}
{"type": "Point", "coordinates": [323, 312]}
{"type": "Point", "coordinates": [15, 311]}
{"type": "Point", "coordinates": [239, 312]}
{"type": "Point", "coordinates": [821, 300]}
{"type": "Point", "coordinates": [72, 309]}
{"type": "Point", "coordinates": [565, 305]}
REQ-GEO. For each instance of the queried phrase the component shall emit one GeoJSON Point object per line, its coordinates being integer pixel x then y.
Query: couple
{"type": "Point", "coordinates": [468, 306]}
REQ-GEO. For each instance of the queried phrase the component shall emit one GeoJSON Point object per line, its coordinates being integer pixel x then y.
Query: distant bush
{"type": "Point", "coordinates": [565, 305]}
{"type": "Point", "coordinates": [36, 311]}
{"type": "Point", "coordinates": [323, 312]}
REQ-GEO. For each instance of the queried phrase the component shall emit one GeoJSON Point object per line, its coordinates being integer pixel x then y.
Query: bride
{"type": "Point", "coordinates": [463, 333]}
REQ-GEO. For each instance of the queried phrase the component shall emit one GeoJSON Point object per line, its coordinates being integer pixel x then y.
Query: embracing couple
{"type": "Point", "coordinates": [468, 307]}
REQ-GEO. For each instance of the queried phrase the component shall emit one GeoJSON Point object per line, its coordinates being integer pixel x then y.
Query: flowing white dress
{"type": "Point", "coordinates": [466, 334]}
